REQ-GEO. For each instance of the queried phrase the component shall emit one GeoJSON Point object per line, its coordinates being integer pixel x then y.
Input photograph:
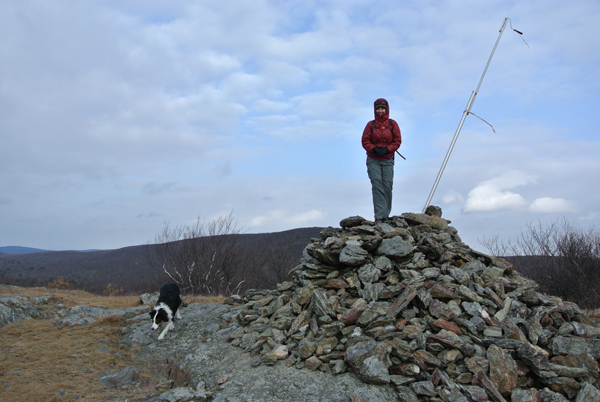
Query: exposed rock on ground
{"type": "Point", "coordinates": [15, 308]}
{"type": "Point", "coordinates": [194, 362]}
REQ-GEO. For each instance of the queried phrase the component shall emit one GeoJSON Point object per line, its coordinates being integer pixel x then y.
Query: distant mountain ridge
{"type": "Point", "coordinates": [20, 250]}
{"type": "Point", "coordinates": [126, 268]}
{"type": "Point", "coordinates": [31, 250]}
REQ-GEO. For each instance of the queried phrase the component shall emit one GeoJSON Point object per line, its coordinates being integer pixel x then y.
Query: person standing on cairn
{"type": "Point", "coordinates": [381, 139]}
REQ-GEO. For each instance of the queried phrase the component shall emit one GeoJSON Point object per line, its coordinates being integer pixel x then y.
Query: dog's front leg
{"type": "Point", "coordinates": [167, 328]}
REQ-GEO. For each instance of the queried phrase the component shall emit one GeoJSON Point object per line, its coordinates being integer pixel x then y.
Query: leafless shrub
{"type": "Point", "coordinates": [563, 259]}
{"type": "Point", "coordinates": [113, 290]}
{"type": "Point", "coordinates": [204, 257]}
{"type": "Point", "coordinates": [278, 259]}
{"type": "Point", "coordinates": [59, 283]}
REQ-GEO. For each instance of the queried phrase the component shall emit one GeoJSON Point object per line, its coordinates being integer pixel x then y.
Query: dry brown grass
{"type": "Point", "coordinates": [593, 313]}
{"type": "Point", "coordinates": [40, 362]}
{"type": "Point", "coordinates": [203, 299]}
{"type": "Point", "coordinates": [75, 297]}
{"type": "Point", "coordinates": [90, 299]}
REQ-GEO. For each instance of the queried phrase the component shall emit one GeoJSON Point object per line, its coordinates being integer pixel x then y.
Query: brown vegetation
{"type": "Point", "coordinates": [43, 362]}
{"type": "Point", "coordinates": [563, 259]}
{"type": "Point", "coordinates": [210, 258]}
{"type": "Point", "coordinates": [59, 283]}
{"type": "Point", "coordinates": [203, 258]}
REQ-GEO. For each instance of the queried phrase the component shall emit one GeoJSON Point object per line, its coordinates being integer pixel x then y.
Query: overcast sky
{"type": "Point", "coordinates": [119, 116]}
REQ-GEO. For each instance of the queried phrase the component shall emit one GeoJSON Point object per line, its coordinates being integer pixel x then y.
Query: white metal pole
{"type": "Point", "coordinates": [462, 120]}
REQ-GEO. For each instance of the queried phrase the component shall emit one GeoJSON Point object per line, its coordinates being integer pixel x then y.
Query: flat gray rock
{"type": "Point", "coordinates": [198, 351]}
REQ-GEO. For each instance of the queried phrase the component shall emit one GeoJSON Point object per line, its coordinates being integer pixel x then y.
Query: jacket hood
{"type": "Point", "coordinates": [383, 119]}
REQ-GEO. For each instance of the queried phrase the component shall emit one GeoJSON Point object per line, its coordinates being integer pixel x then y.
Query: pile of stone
{"type": "Point", "coordinates": [407, 304]}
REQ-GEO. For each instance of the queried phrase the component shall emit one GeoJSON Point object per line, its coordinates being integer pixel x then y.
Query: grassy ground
{"type": "Point", "coordinates": [40, 362]}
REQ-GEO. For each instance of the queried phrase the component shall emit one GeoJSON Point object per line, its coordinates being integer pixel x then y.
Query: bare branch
{"type": "Point", "coordinates": [563, 259]}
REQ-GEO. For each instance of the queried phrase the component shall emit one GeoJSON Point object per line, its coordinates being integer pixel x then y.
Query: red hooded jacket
{"type": "Point", "coordinates": [379, 135]}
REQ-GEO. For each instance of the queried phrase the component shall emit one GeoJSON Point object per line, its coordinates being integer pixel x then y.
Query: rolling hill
{"type": "Point", "coordinates": [126, 268]}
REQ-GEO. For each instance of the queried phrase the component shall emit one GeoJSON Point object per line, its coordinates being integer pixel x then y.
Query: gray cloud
{"type": "Point", "coordinates": [110, 108]}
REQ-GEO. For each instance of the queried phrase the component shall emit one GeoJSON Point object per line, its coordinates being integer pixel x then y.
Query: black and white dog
{"type": "Point", "coordinates": [166, 308]}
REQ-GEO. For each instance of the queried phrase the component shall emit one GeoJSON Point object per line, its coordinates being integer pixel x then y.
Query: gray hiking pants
{"type": "Point", "coordinates": [381, 174]}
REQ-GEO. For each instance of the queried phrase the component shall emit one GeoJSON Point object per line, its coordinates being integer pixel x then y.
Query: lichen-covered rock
{"type": "Point", "coordinates": [353, 255]}
{"type": "Point", "coordinates": [84, 315]}
{"type": "Point", "coordinates": [395, 247]}
{"type": "Point", "coordinates": [16, 308]}
{"type": "Point", "coordinates": [352, 221]}
{"type": "Point", "coordinates": [503, 369]}
{"type": "Point", "coordinates": [181, 394]}
{"type": "Point", "coordinates": [371, 361]}
{"type": "Point", "coordinates": [125, 378]}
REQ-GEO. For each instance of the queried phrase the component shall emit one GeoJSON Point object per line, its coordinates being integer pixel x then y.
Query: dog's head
{"type": "Point", "coordinates": [158, 316]}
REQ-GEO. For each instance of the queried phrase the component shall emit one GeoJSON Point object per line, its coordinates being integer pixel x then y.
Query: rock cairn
{"type": "Point", "coordinates": [406, 303]}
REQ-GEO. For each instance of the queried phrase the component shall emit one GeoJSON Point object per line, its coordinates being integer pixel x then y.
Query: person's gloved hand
{"type": "Point", "coordinates": [380, 151]}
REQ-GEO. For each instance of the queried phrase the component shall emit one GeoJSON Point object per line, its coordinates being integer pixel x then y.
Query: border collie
{"type": "Point", "coordinates": [166, 308]}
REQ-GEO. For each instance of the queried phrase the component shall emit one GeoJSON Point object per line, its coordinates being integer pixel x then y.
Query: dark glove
{"type": "Point", "coordinates": [380, 151]}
